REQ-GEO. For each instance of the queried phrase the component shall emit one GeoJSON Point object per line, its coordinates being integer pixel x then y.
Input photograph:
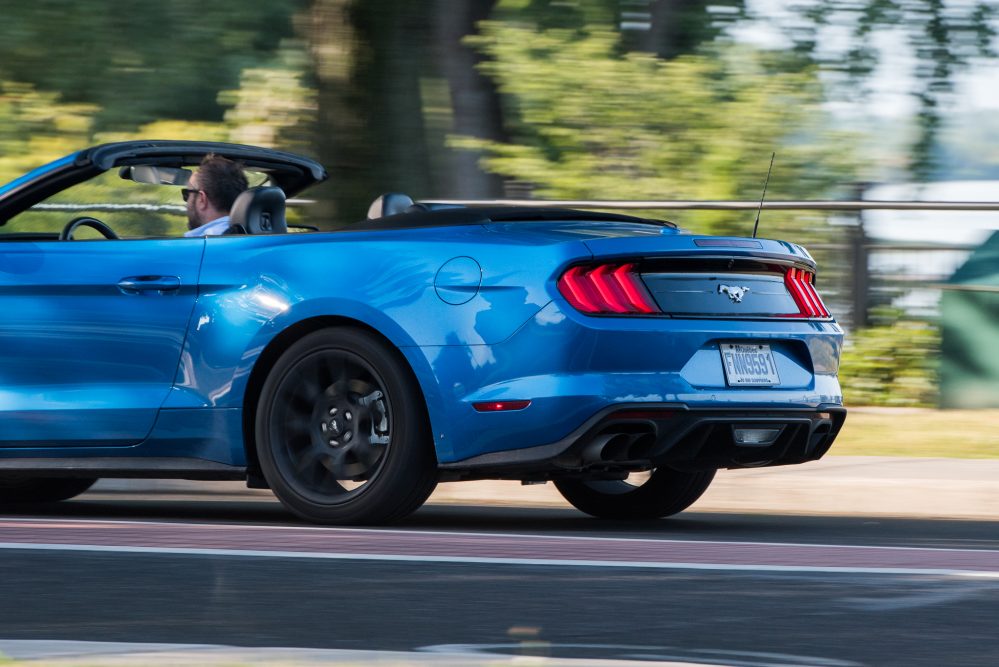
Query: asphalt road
{"type": "Point", "coordinates": [705, 588]}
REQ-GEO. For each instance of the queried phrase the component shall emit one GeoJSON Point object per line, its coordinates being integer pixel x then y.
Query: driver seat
{"type": "Point", "coordinates": [258, 211]}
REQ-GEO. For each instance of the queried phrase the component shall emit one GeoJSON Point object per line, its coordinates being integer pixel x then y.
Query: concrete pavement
{"type": "Point", "coordinates": [117, 654]}
{"type": "Point", "coordinates": [853, 485]}
{"type": "Point", "coordinates": [860, 486]}
{"type": "Point", "coordinates": [843, 485]}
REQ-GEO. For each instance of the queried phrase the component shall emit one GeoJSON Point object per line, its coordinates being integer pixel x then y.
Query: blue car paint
{"type": "Point", "coordinates": [158, 375]}
{"type": "Point", "coordinates": [570, 369]}
{"type": "Point", "coordinates": [83, 362]}
{"type": "Point", "coordinates": [246, 299]}
{"type": "Point", "coordinates": [497, 345]}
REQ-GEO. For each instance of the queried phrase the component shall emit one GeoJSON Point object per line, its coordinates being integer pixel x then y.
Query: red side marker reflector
{"type": "Point", "coordinates": [500, 406]}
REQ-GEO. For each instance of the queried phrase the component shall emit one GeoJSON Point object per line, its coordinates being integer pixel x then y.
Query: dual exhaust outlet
{"type": "Point", "coordinates": [636, 442]}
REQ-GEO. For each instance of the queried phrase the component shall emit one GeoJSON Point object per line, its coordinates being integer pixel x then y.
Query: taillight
{"type": "Point", "coordinates": [607, 289]}
{"type": "Point", "coordinates": [800, 285]}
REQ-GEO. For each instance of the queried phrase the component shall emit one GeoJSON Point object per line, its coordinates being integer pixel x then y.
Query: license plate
{"type": "Point", "coordinates": [749, 365]}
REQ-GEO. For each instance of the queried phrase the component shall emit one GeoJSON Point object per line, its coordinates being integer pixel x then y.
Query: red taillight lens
{"type": "Point", "coordinates": [799, 284]}
{"type": "Point", "coordinates": [607, 289]}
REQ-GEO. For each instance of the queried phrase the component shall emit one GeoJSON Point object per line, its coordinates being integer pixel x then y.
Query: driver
{"type": "Point", "coordinates": [210, 193]}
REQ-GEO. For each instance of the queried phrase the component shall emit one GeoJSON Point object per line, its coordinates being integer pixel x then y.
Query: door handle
{"type": "Point", "coordinates": [141, 284]}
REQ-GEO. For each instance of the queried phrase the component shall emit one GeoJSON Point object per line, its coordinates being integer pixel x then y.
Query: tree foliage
{"type": "Point", "coordinates": [939, 38]}
{"type": "Point", "coordinates": [589, 122]}
{"type": "Point", "coordinates": [893, 363]}
{"type": "Point", "coordinates": [36, 127]}
{"type": "Point", "coordinates": [140, 62]}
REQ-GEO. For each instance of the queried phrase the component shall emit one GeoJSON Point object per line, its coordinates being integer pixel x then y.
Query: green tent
{"type": "Point", "coordinates": [969, 372]}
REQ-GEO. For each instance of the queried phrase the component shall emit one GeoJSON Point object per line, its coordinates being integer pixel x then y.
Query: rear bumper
{"type": "Point", "coordinates": [575, 370]}
{"type": "Point", "coordinates": [625, 438]}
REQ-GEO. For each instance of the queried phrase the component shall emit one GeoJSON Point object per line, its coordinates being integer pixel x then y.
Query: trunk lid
{"type": "Point", "coordinates": [689, 275]}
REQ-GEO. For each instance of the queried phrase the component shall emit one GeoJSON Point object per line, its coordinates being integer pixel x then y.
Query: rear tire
{"type": "Point", "coordinates": [666, 492]}
{"type": "Point", "coordinates": [342, 432]}
{"type": "Point", "coordinates": [41, 489]}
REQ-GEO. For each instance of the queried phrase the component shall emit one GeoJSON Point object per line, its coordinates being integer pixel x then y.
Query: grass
{"type": "Point", "coordinates": [962, 434]}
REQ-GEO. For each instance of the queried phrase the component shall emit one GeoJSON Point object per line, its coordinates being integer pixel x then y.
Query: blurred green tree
{"type": "Point", "coordinates": [589, 122]}
{"type": "Point", "coordinates": [369, 58]}
{"type": "Point", "coordinates": [942, 39]}
{"type": "Point", "coordinates": [666, 28]}
{"type": "Point", "coordinates": [141, 62]}
{"type": "Point", "coordinates": [36, 127]}
{"type": "Point", "coordinates": [893, 363]}
{"type": "Point", "coordinates": [395, 78]}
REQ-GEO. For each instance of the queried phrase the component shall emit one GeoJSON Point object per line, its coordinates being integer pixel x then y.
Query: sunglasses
{"type": "Point", "coordinates": [186, 193]}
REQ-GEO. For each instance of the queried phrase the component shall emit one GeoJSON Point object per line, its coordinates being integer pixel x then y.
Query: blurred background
{"type": "Point", "coordinates": [591, 99]}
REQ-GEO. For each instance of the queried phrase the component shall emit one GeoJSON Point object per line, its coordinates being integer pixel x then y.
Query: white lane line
{"type": "Point", "coordinates": [334, 530]}
{"type": "Point", "coordinates": [200, 655]}
{"type": "Point", "coordinates": [647, 653]}
{"type": "Point", "coordinates": [477, 560]}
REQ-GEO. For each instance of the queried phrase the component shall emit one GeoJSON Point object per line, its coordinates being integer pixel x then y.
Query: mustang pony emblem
{"type": "Point", "coordinates": [734, 293]}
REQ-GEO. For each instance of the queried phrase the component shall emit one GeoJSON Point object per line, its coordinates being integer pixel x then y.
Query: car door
{"type": "Point", "coordinates": [90, 337]}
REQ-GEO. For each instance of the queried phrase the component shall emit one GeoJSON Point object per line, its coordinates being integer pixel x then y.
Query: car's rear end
{"type": "Point", "coordinates": [658, 350]}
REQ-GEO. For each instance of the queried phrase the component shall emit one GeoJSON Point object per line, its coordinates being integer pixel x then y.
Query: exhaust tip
{"type": "Point", "coordinates": [641, 448]}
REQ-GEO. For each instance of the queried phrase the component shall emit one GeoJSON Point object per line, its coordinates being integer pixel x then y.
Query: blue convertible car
{"type": "Point", "coordinates": [349, 371]}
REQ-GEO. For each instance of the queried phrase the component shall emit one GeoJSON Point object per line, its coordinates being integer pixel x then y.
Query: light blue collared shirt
{"type": "Point", "coordinates": [214, 228]}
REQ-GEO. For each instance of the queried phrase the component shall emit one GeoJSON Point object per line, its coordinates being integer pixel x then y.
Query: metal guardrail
{"type": "Point", "coordinates": [110, 208]}
{"type": "Point", "coordinates": [709, 205]}
{"type": "Point", "coordinates": [693, 205]}
{"type": "Point", "coordinates": [992, 289]}
{"type": "Point", "coordinates": [141, 208]}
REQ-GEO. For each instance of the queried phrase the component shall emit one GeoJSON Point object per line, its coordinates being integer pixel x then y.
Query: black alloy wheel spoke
{"type": "Point", "coordinates": [298, 424]}
{"type": "Point", "coordinates": [303, 388]}
{"type": "Point", "coordinates": [336, 462]}
{"type": "Point", "coordinates": [334, 421]}
{"type": "Point", "coordinates": [309, 457]}
{"type": "Point", "coordinates": [366, 454]}
{"type": "Point", "coordinates": [354, 445]}
{"type": "Point", "coordinates": [335, 368]}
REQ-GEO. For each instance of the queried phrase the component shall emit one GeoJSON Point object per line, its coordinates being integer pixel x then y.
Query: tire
{"type": "Point", "coordinates": [42, 489]}
{"type": "Point", "coordinates": [342, 433]}
{"type": "Point", "coordinates": [665, 492]}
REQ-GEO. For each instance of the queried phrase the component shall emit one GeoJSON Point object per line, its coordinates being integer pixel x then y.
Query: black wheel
{"type": "Point", "coordinates": [662, 492]}
{"type": "Point", "coordinates": [41, 489]}
{"type": "Point", "coordinates": [342, 431]}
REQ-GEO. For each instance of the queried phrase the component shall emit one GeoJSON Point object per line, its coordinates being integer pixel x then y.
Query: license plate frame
{"type": "Point", "coordinates": [749, 365]}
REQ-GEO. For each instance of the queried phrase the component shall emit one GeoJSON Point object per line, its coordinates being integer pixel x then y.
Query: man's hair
{"type": "Point", "coordinates": [222, 180]}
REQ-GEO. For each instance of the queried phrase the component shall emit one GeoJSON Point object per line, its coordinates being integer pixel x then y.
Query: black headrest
{"type": "Point", "coordinates": [259, 211]}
